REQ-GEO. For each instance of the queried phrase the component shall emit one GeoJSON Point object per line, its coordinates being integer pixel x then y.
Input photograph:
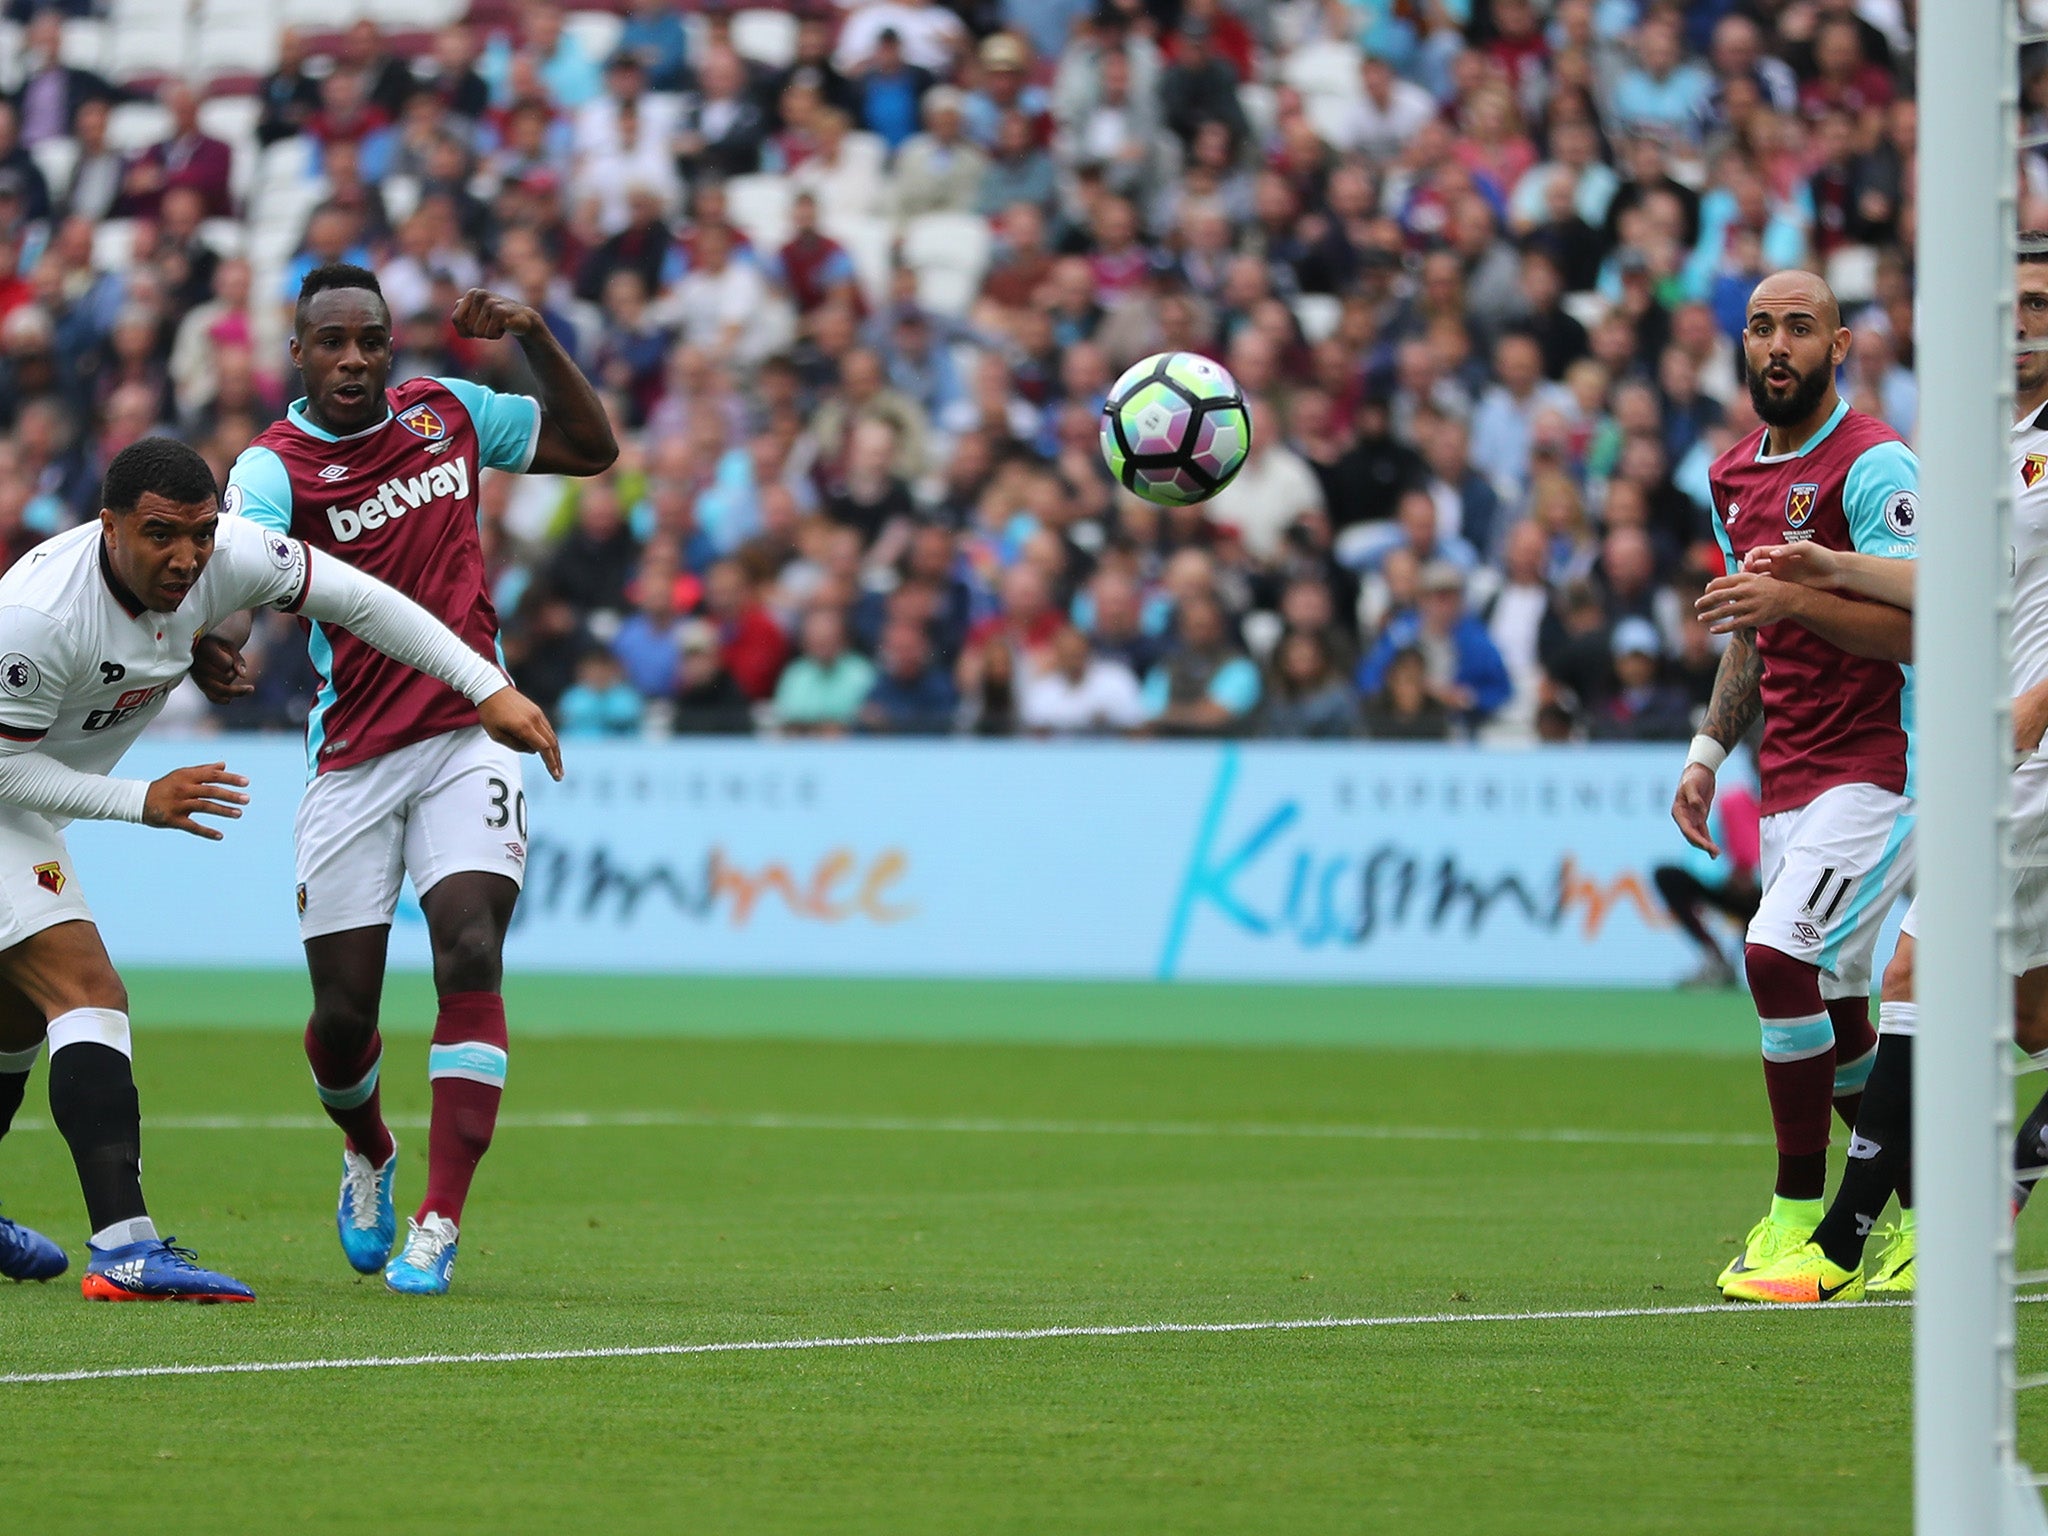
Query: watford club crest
{"type": "Point", "coordinates": [2035, 467]}
{"type": "Point", "coordinates": [424, 421]}
{"type": "Point", "coordinates": [51, 878]}
{"type": "Point", "coordinates": [1799, 504]}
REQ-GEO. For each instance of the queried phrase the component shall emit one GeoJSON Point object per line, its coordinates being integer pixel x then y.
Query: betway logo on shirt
{"type": "Point", "coordinates": [397, 497]}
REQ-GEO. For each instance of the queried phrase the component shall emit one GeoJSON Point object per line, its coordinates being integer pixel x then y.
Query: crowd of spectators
{"type": "Point", "coordinates": [1479, 266]}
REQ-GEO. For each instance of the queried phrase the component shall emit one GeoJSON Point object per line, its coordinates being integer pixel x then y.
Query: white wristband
{"type": "Point", "coordinates": [1707, 752]}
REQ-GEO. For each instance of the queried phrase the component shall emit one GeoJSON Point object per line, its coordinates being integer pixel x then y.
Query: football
{"type": "Point", "coordinates": [1175, 429]}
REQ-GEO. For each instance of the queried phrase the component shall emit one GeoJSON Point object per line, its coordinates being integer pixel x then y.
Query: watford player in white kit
{"type": "Point", "coordinates": [1830, 1267]}
{"type": "Point", "coordinates": [402, 781]}
{"type": "Point", "coordinates": [97, 626]}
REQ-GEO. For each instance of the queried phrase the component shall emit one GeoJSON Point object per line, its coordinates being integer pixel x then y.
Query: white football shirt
{"type": "Point", "coordinates": [84, 667]}
{"type": "Point", "coordinates": [2030, 551]}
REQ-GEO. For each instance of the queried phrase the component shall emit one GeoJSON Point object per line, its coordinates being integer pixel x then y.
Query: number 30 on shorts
{"type": "Point", "coordinates": [507, 805]}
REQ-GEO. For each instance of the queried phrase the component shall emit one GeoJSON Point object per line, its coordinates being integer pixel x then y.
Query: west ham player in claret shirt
{"type": "Point", "coordinates": [402, 780]}
{"type": "Point", "coordinates": [1828, 673]}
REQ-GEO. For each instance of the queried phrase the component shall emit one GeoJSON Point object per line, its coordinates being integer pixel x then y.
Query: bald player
{"type": "Point", "coordinates": [1828, 673]}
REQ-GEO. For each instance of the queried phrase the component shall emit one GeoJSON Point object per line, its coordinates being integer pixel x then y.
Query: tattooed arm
{"type": "Point", "coordinates": [1733, 709]}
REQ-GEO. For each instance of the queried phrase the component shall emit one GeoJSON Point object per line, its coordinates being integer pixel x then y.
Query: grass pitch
{"type": "Point", "coordinates": [978, 1172]}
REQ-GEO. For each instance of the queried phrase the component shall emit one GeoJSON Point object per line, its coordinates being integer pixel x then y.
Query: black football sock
{"type": "Point", "coordinates": [14, 1070]}
{"type": "Point", "coordinates": [2030, 1154]}
{"type": "Point", "coordinates": [93, 1100]}
{"type": "Point", "coordinates": [1880, 1149]}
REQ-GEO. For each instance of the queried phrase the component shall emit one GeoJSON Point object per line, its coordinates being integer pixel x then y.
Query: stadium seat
{"type": "Point", "coordinates": [1325, 68]}
{"type": "Point", "coordinates": [113, 245]}
{"type": "Point", "coordinates": [146, 49]}
{"type": "Point", "coordinates": [286, 163]}
{"type": "Point", "coordinates": [401, 197]}
{"type": "Point", "coordinates": [56, 159]}
{"type": "Point", "coordinates": [949, 252]}
{"type": "Point", "coordinates": [84, 45]}
{"type": "Point", "coordinates": [869, 240]}
{"type": "Point", "coordinates": [415, 15]}
{"type": "Point", "coordinates": [1329, 115]}
{"type": "Point", "coordinates": [135, 125]}
{"type": "Point", "coordinates": [597, 31]}
{"type": "Point", "coordinates": [1261, 106]}
{"type": "Point", "coordinates": [319, 15]}
{"type": "Point", "coordinates": [1852, 273]}
{"type": "Point", "coordinates": [1317, 314]}
{"type": "Point", "coordinates": [765, 36]}
{"type": "Point", "coordinates": [234, 46]}
{"type": "Point", "coordinates": [759, 205]}
{"type": "Point", "coordinates": [225, 237]}
{"type": "Point", "coordinates": [232, 120]}
{"type": "Point", "coordinates": [1588, 308]}
{"type": "Point", "coordinates": [1262, 629]}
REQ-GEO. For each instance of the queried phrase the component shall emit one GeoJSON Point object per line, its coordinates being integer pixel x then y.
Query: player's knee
{"type": "Point", "coordinates": [1783, 985]}
{"type": "Point", "coordinates": [344, 1024]}
{"type": "Point", "coordinates": [470, 957]}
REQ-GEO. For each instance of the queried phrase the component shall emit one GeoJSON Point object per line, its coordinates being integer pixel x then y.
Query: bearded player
{"type": "Point", "coordinates": [402, 780]}
{"type": "Point", "coordinates": [96, 629]}
{"type": "Point", "coordinates": [1830, 1268]}
{"type": "Point", "coordinates": [1828, 673]}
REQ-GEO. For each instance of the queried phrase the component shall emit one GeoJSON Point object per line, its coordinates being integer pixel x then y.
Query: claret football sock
{"type": "Point", "coordinates": [14, 1070]}
{"type": "Point", "coordinates": [348, 1087]}
{"type": "Point", "coordinates": [1879, 1149]}
{"type": "Point", "coordinates": [93, 1101]}
{"type": "Point", "coordinates": [1855, 1053]}
{"type": "Point", "coordinates": [1799, 1066]}
{"type": "Point", "coordinates": [467, 1068]}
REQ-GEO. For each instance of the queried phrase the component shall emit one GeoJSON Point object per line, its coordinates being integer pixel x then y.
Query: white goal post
{"type": "Point", "coordinates": [1968, 1478]}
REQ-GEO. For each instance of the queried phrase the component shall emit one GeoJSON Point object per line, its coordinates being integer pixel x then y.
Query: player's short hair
{"type": "Point", "coordinates": [336, 274]}
{"type": "Point", "coordinates": [172, 469]}
{"type": "Point", "coordinates": [2033, 247]}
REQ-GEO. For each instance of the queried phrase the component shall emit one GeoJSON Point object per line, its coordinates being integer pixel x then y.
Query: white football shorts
{"type": "Point", "coordinates": [38, 886]}
{"type": "Point", "coordinates": [2026, 946]}
{"type": "Point", "coordinates": [1831, 871]}
{"type": "Point", "coordinates": [451, 804]}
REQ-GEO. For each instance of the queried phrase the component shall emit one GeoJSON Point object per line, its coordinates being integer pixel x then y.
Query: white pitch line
{"type": "Point", "coordinates": [890, 1340]}
{"type": "Point", "coordinates": [691, 1119]}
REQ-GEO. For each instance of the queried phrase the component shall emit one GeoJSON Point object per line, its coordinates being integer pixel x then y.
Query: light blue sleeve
{"type": "Point", "coordinates": [1881, 495]}
{"type": "Point", "coordinates": [507, 426]}
{"type": "Point", "coordinates": [1721, 533]}
{"type": "Point", "coordinates": [260, 490]}
{"type": "Point", "coordinates": [1235, 686]}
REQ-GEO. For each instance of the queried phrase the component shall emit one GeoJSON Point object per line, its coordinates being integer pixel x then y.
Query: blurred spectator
{"type": "Point", "coordinates": [1641, 708]}
{"type": "Point", "coordinates": [709, 700]}
{"type": "Point", "coordinates": [1079, 693]}
{"type": "Point", "coordinates": [1463, 670]}
{"type": "Point", "coordinates": [648, 644]}
{"type": "Point", "coordinates": [1307, 693]}
{"type": "Point", "coordinates": [1204, 685]}
{"type": "Point", "coordinates": [188, 158]}
{"type": "Point", "coordinates": [911, 696]}
{"type": "Point", "coordinates": [750, 642]}
{"type": "Point", "coordinates": [822, 690]}
{"type": "Point", "coordinates": [51, 91]}
{"type": "Point", "coordinates": [722, 125]}
{"type": "Point", "coordinates": [654, 35]}
{"type": "Point", "coordinates": [600, 702]}
{"type": "Point", "coordinates": [928, 35]}
{"type": "Point", "coordinates": [594, 563]}
{"type": "Point", "coordinates": [939, 170]}
{"type": "Point", "coordinates": [1504, 425]}
{"type": "Point", "coordinates": [1404, 708]}
{"type": "Point", "coordinates": [812, 268]}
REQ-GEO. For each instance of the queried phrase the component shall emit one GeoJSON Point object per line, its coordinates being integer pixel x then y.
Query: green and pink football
{"type": "Point", "coordinates": [1175, 429]}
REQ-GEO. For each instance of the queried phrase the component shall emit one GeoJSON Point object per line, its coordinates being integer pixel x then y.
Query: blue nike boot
{"type": "Point", "coordinates": [366, 1217]}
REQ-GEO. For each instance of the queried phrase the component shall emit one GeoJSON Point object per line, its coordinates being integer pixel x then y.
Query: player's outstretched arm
{"type": "Point", "coordinates": [575, 433]}
{"type": "Point", "coordinates": [387, 620]}
{"type": "Point", "coordinates": [1837, 570]}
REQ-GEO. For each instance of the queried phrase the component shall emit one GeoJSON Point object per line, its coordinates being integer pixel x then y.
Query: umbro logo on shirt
{"type": "Point", "coordinates": [396, 497]}
{"type": "Point", "coordinates": [334, 472]}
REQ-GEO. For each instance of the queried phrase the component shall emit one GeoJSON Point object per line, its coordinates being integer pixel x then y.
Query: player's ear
{"type": "Point", "coordinates": [1838, 354]}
